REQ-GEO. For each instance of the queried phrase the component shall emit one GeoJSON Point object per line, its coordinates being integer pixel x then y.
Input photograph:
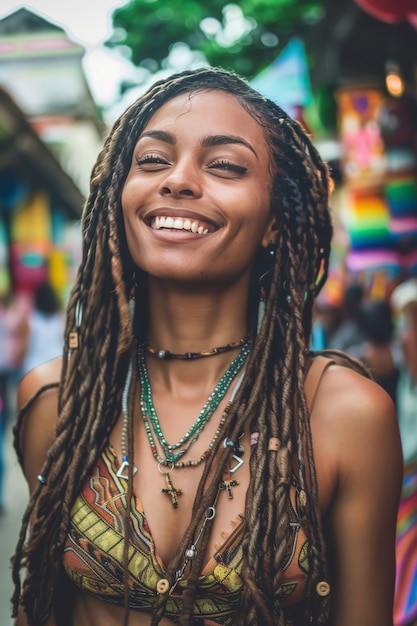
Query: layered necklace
{"type": "Point", "coordinates": [167, 455]}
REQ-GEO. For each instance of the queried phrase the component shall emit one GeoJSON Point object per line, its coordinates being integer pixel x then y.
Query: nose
{"type": "Point", "coordinates": [181, 181]}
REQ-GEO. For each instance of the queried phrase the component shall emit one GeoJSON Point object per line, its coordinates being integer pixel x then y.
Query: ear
{"type": "Point", "coordinates": [270, 233]}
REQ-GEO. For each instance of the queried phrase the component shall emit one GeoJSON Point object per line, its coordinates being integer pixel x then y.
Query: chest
{"type": "Point", "coordinates": [167, 491]}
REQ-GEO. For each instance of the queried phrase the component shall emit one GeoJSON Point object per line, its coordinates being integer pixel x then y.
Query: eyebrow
{"type": "Point", "coordinates": [207, 142]}
{"type": "Point", "coordinates": [159, 134]}
{"type": "Point", "coordinates": [222, 140]}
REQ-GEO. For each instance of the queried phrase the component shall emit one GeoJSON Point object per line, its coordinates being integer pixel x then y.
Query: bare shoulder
{"type": "Point", "coordinates": [357, 452]}
{"type": "Point", "coordinates": [46, 374]}
{"type": "Point", "coordinates": [39, 388]}
{"type": "Point", "coordinates": [349, 399]}
{"type": "Point", "coordinates": [354, 428]}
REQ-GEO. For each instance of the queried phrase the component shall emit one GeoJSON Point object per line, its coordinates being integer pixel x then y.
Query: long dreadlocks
{"type": "Point", "coordinates": [271, 398]}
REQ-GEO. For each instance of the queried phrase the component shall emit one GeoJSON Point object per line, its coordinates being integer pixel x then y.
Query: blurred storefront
{"type": "Point", "coordinates": [356, 93]}
{"type": "Point", "coordinates": [40, 208]}
{"type": "Point", "coordinates": [379, 140]}
{"type": "Point", "coordinates": [367, 77]}
{"type": "Point", "coordinates": [50, 134]}
{"type": "Point", "coordinates": [376, 106]}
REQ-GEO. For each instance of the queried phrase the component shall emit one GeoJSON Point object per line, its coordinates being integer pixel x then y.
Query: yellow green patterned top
{"type": "Point", "coordinates": [93, 556]}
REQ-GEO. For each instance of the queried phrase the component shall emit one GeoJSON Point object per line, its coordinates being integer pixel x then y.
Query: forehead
{"type": "Point", "coordinates": [210, 112]}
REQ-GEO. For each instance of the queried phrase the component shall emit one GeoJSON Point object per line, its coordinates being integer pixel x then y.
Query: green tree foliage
{"type": "Point", "coordinates": [244, 37]}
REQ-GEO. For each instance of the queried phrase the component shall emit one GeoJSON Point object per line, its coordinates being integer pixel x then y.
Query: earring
{"type": "Point", "coordinates": [270, 250]}
{"type": "Point", "coordinates": [132, 298]}
{"type": "Point", "coordinates": [261, 304]}
{"type": "Point", "coordinates": [288, 297]}
{"type": "Point", "coordinates": [270, 253]}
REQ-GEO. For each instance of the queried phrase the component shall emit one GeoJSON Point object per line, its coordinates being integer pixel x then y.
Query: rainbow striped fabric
{"type": "Point", "coordinates": [405, 604]}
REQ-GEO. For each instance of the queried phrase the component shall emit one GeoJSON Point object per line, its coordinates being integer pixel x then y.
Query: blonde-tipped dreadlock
{"type": "Point", "coordinates": [271, 399]}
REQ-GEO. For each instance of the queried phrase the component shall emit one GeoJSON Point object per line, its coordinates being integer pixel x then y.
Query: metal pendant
{"type": "Point", "coordinates": [121, 473]}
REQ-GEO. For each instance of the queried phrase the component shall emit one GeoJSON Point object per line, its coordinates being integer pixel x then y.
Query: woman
{"type": "Point", "coordinates": [206, 240]}
{"type": "Point", "coordinates": [378, 349]}
{"type": "Point", "coordinates": [46, 327]}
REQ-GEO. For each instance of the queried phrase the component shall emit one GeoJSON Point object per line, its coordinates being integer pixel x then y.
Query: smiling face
{"type": "Point", "coordinates": [196, 201]}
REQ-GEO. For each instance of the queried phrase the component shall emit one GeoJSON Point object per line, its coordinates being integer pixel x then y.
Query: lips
{"type": "Point", "coordinates": [179, 223]}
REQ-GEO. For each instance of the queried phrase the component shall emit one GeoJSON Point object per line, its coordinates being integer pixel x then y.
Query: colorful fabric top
{"type": "Point", "coordinates": [405, 597]}
{"type": "Point", "coordinates": [93, 556]}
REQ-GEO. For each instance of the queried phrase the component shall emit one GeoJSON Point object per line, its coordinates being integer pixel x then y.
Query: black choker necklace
{"type": "Point", "coordinates": [189, 356]}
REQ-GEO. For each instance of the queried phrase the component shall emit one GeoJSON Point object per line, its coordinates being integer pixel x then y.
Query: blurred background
{"type": "Point", "coordinates": [345, 69]}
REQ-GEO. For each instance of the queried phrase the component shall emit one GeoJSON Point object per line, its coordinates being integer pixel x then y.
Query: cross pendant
{"type": "Point", "coordinates": [227, 485]}
{"type": "Point", "coordinates": [171, 491]}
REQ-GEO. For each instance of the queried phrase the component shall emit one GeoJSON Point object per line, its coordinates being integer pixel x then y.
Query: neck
{"type": "Point", "coordinates": [187, 321]}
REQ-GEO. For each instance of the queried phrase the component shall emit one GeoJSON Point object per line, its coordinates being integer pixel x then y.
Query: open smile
{"type": "Point", "coordinates": [179, 223]}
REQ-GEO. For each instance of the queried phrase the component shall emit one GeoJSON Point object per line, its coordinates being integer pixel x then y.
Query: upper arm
{"type": "Point", "coordinates": [364, 454]}
{"type": "Point", "coordinates": [37, 429]}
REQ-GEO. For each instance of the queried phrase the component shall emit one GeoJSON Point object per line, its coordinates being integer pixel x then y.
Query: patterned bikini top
{"type": "Point", "coordinates": [93, 555]}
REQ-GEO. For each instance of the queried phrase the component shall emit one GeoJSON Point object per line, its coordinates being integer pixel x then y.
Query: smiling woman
{"type": "Point", "coordinates": [190, 460]}
{"type": "Point", "coordinates": [192, 166]}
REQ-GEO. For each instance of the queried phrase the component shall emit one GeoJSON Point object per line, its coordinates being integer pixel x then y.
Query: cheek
{"type": "Point", "coordinates": [132, 191]}
{"type": "Point", "coordinates": [126, 197]}
{"type": "Point", "coordinates": [261, 212]}
{"type": "Point", "coordinates": [130, 223]}
{"type": "Point", "coordinates": [129, 202]}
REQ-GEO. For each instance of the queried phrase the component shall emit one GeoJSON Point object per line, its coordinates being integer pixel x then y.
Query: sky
{"type": "Point", "coordinates": [87, 22]}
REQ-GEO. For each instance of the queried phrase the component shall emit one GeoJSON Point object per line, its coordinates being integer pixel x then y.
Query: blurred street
{"type": "Point", "coordinates": [346, 72]}
{"type": "Point", "coordinates": [16, 497]}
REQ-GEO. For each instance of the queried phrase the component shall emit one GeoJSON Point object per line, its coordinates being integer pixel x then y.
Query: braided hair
{"type": "Point", "coordinates": [271, 398]}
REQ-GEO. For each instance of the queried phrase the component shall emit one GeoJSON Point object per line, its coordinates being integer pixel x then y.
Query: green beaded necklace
{"type": "Point", "coordinates": [174, 452]}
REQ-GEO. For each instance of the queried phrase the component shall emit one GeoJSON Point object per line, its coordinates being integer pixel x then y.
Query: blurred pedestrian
{"type": "Point", "coordinates": [2, 457]}
{"type": "Point", "coordinates": [46, 328]}
{"type": "Point", "coordinates": [378, 349]}
{"type": "Point", "coordinates": [4, 367]}
{"type": "Point", "coordinates": [13, 341]}
{"type": "Point", "coordinates": [348, 333]}
{"type": "Point", "coordinates": [14, 333]}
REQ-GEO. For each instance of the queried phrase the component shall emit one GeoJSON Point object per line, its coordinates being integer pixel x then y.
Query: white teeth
{"type": "Point", "coordinates": [178, 223]}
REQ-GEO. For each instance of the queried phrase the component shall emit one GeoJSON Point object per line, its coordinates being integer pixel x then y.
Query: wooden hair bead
{"type": "Point", "coordinates": [323, 588]}
{"type": "Point", "coordinates": [73, 340]}
{"type": "Point", "coordinates": [273, 444]}
{"type": "Point", "coordinates": [302, 498]}
{"type": "Point", "coordinates": [162, 586]}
